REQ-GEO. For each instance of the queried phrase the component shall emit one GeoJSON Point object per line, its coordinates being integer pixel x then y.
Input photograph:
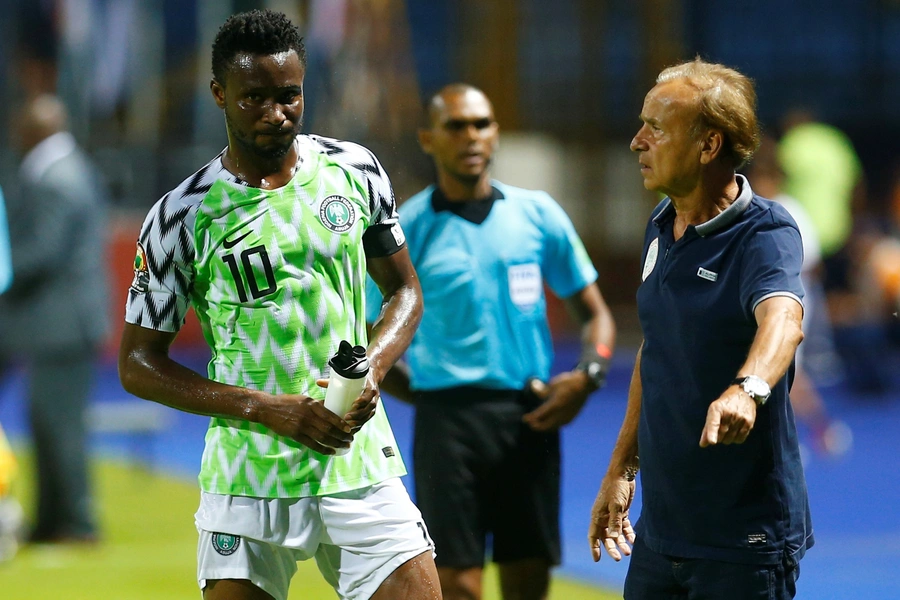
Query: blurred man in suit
{"type": "Point", "coordinates": [53, 317]}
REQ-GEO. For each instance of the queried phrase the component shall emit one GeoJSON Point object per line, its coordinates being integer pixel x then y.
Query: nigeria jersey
{"type": "Point", "coordinates": [277, 280]}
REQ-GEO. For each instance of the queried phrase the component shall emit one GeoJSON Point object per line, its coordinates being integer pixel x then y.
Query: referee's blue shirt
{"type": "Point", "coordinates": [744, 503]}
{"type": "Point", "coordinates": [485, 320]}
{"type": "Point", "coordinates": [5, 254]}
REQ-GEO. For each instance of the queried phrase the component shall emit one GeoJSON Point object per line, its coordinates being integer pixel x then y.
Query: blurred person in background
{"type": "Point", "coordinates": [830, 436]}
{"type": "Point", "coordinates": [270, 243]}
{"type": "Point", "coordinates": [6, 272]}
{"type": "Point", "coordinates": [877, 258]}
{"type": "Point", "coordinates": [486, 442]}
{"type": "Point", "coordinates": [11, 517]}
{"type": "Point", "coordinates": [709, 424]}
{"type": "Point", "coordinates": [53, 318]}
{"type": "Point", "coordinates": [10, 510]}
{"type": "Point", "coordinates": [823, 173]}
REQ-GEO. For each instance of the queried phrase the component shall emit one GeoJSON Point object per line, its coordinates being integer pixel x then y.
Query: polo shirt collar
{"type": "Point", "coordinates": [721, 220]}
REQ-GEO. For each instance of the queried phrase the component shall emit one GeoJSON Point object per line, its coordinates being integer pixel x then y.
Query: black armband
{"type": "Point", "coordinates": [383, 240]}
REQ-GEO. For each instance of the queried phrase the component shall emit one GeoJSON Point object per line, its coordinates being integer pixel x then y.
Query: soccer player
{"type": "Point", "coordinates": [270, 243]}
{"type": "Point", "coordinates": [487, 456]}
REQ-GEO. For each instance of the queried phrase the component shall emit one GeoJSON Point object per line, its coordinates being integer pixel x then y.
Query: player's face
{"type": "Point", "coordinates": [463, 135]}
{"type": "Point", "coordinates": [668, 150]}
{"type": "Point", "coordinates": [263, 102]}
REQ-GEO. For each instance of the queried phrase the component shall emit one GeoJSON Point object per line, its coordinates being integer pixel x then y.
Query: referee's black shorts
{"type": "Point", "coordinates": [481, 471]}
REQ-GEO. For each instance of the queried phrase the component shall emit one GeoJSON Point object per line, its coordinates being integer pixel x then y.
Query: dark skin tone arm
{"type": "Point", "coordinates": [566, 393]}
{"type": "Point", "coordinates": [147, 371]}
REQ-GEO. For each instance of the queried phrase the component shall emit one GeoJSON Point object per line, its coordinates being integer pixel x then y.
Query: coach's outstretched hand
{"type": "Point", "coordinates": [729, 419]}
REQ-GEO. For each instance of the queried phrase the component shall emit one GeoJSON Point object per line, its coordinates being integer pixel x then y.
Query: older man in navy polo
{"type": "Point", "coordinates": [725, 510]}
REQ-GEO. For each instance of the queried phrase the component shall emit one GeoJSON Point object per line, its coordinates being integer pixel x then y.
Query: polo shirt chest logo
{"type": "Point", "coordinates": [707, 274]}
{"type": "Point", "coordinates": [650, 261]}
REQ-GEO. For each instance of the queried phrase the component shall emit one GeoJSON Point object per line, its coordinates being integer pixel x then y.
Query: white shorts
{"type": "Point", "coordinates": [358, 538]}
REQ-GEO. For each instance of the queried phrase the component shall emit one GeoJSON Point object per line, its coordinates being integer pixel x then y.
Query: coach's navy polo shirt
{"type": "Point", "coordinates": [747, 502]}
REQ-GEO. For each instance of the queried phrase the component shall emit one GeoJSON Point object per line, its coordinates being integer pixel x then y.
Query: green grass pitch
{"type": "Point", "coordinates": [149, 549]}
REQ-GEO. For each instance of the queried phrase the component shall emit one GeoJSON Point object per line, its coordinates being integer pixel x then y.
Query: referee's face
{"type": "Point", "coordinates": [463, 134]}
{"type": "Point", "coordinates": [668, 149]}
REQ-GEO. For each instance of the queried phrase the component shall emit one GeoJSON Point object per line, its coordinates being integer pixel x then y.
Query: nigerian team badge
{"type": "Point", "coordinates": [225, 544]}
{"type": "Point", "coordinates": [337, 213]}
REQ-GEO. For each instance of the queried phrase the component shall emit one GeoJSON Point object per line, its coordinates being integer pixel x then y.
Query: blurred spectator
{"type": "Point", "coordinates": [10, 510]}
{"type": "Point", "coordinates": [830, 436]}
{"type": "Point", "coordinates": [822, 171]}
{"type": "Point", "coordinates": [877, 252]}
{"type": "Point", "coordinates": [53, 317]}
{"type": "Point", "coordinates": [5, 258]}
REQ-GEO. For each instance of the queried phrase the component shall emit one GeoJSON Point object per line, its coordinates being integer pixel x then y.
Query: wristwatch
{"type": "Point", "coordinates": [756, 388]}
{"type": "Point", "coordinates": [596, 372]}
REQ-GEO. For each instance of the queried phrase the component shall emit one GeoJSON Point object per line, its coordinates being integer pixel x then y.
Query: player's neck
{"type": "Point", "coordinates": [461, 190]}
{"type": "Point", "coordinates": [257, 171]}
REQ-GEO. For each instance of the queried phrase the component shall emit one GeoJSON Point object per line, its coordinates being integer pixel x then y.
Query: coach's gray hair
{"type": "Point", "coordinates": [726, 100]}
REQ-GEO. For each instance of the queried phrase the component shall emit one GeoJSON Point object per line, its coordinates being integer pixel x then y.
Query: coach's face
{"type": "Point", "coordinates": [669, 151]}
{"type": "Point", "coordinates": [463, 134]}
{"type": "Point", "coordinates": [263, 101]}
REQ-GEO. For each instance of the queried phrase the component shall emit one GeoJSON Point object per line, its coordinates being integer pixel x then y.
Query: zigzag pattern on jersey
{"type": "Point", "coordinates": [169, 247]}
{"type": "Point", "coordinates": [361, 159]}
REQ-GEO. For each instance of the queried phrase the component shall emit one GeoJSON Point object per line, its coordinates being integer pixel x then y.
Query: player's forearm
{"type": "Point", "coordinates": [775, 343]}
{"type": "Point", "coordinates": [394, 330]}
{"type": "Point", "coordinates": [154, 376]}
{"type": "Point", "coordinates": [625, 453]}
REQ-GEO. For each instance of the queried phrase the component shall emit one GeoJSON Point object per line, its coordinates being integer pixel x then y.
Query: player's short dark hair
{"type": "Point", "coordinates": [262, 32]}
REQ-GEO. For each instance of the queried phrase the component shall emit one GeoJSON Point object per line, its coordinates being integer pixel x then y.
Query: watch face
{"type": "Point", "coordinates": [756, 388]}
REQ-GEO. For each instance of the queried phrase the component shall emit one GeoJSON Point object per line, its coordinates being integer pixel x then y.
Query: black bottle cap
{"type": "Point", "coordinates": [350, 361]}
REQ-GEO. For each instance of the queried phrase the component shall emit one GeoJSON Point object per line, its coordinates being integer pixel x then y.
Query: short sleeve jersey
{"type": "Point", "coordinates": [485, 321]}
{"type": "Point", "coordinates": [277, 280]}
{"type": "Point", "coordinates": [747, 502]}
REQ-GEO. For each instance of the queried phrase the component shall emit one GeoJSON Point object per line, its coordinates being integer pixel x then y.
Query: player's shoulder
{"type": "Point", "coordinates": [348, 154]}
{"type": "Point", "coordinates": [178, 208]}
{"type": "Point", "coordinates": [192, 190]}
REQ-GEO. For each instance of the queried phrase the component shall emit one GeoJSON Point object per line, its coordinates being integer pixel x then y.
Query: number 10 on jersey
{"type": "Point", "coordinates": [251, 260]}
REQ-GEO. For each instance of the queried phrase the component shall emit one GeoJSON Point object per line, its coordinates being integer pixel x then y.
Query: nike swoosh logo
{"type": "Point", "coordinates": [231, 244]}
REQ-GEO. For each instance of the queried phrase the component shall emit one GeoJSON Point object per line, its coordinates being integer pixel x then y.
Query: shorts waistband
{"type": "Point", "coordinates": [466, 394]}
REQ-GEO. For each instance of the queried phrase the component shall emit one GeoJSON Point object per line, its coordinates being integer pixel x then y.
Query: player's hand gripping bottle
{"type": "Point", "coordinates": [349, 368]}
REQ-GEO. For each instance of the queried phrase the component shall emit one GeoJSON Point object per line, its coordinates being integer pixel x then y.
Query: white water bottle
{"type": "Point", "coordinates": [349, 367]}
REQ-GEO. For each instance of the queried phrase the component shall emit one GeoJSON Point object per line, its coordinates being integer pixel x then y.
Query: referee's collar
{"type": "Point", "coordinates": [721, 220]}
{"type": "Point", "coordinates": [474, 211]}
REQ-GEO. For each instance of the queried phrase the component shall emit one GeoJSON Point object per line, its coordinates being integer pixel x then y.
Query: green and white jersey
{"type": "Point", "coordinates": [277, 280]}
